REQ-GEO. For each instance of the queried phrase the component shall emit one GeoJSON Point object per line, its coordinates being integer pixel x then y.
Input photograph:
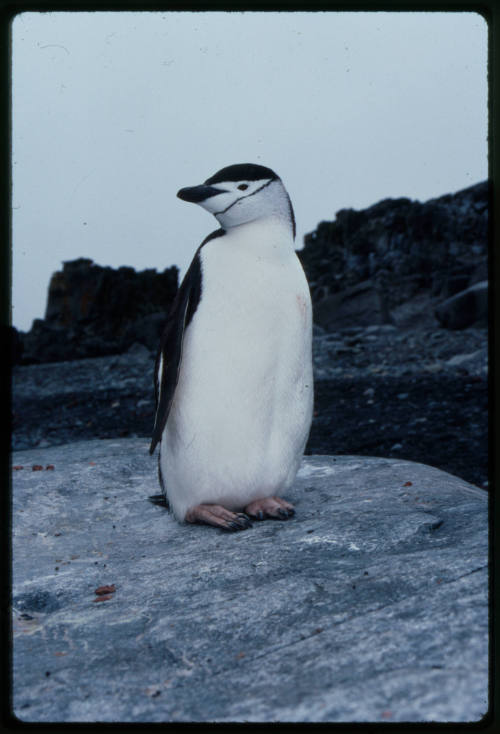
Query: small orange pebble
{"type": "Point", "coordinates": [386, 714]}
{"type": "Point", "coordinates": [91, 463]}
{"type": "Point", "coordinates": [50, 466]}
{"type": "Point", "coordinates": [36, 467]}
{"type": "Point", "coordinates": [103, 598]}
{"type": "Point", "coordinates": [17, 467]}
{"type": "Point", "coordinates": [407, 484]}
{"type": "Point", "coordinates": [110, 589]}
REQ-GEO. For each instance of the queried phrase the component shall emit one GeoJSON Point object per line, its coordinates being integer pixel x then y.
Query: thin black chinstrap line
{"type": "Point", "coordinates": [244, 197]}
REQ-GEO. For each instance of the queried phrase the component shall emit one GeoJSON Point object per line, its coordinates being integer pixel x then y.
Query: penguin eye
{"type": "Point", "coordinates": [242, 187]}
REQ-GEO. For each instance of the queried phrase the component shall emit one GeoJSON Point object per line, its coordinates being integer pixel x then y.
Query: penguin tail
{"type": "Point", "coordinates": [160, 500]}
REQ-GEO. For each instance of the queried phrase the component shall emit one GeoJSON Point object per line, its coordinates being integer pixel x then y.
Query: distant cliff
{"type": "Point", "coordinates": [93, 311]}
{"type": "Point", "coordinates": [398, 261]}
{"type": "Point", "coordinates": [365, 264]}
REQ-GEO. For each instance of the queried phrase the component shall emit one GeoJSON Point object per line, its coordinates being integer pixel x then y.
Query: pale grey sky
{"type": "Point", "coordinates": [114, 112]}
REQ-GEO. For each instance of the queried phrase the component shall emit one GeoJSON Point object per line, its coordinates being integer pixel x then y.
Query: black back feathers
{"type": "Point", "coordinates": [241, 172]}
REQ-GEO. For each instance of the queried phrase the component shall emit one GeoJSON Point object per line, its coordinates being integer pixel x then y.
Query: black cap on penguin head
{"type": "Point", "coordinates": [241, 172]}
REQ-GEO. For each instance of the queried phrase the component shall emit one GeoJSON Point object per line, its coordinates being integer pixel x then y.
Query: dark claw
{"type": "Point", "coordinates": [259, 515]}
{"type": "Point", "coordinates": [283, 512]}
{"type": "Point", "coordinates": [235, 525]}
{"type": "Point", "coordinates": [244, 520]}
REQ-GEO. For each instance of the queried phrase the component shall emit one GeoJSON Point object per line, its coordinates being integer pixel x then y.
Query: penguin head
{"type": "Point", "coordinates": [240, 194]}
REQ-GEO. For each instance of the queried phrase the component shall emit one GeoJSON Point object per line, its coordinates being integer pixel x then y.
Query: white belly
{"type": "Point", "coordinates": [243, 404]}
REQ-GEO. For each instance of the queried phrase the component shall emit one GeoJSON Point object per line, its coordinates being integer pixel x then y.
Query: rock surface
{"type": "Point", "coordinates": [360, 305]}
{"type": "Point", "coordinates": [370, 605]}
{"type": "Point", "coordinates": [467, 307]}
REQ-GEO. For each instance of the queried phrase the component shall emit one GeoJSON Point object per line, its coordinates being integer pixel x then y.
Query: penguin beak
{"type": "Point", "coordinates": [197, 194]}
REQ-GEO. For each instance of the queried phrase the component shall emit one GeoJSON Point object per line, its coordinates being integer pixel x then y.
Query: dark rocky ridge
{"type": "Point", "coordinates": [363, 266]}
{"type": "Point", "coordinates": [398, 261]}
{"type": "Point", "coordinates": [94, 311]}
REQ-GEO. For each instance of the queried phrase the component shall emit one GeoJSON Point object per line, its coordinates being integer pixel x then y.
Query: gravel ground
{"type": "Point", "coordinates": [418, 394]}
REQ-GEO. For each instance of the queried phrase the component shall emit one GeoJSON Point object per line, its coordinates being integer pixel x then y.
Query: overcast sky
{"type": "Point", "coordinates": [114, 112]}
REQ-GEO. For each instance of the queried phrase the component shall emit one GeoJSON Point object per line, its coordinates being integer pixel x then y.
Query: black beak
{"type": "Point", "coordinates": [197, 194]}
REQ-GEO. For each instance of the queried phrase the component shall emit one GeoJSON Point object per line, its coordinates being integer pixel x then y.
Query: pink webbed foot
{"type": "Point", "coordinates": [219, 517]}
{"type": "Point", "coordinates": [273, 507]}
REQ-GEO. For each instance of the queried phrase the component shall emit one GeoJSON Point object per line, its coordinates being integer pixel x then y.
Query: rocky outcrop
{"type": "Point", "coordinates": [395, 262]}
{"type": "Point", "coordinates": [363, 304]}
{"type": "Point", "coordinates": [94, 311]}
{"type": "Point", "coordinates": [397, 250]}
{"type": "Point", "coordinates": [370, 605]}
{"type": "Point", "coordinates": [468, 307]}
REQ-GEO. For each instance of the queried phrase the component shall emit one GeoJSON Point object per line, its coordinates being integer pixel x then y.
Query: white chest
{"type": "Point", "coordinates": [253, 286]}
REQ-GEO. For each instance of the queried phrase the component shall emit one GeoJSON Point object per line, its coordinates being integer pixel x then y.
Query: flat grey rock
{"type": "Point", "coordinates": [369, 605]}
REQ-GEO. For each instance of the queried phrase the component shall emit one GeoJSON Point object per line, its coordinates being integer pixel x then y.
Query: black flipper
{"type": "Point", "coordinates": [170, 351]}
{"type": "Point", "coordinates": [162, 485]}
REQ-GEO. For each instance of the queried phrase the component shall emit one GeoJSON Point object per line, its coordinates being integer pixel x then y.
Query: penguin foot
{"type": "Point", "coordinates": [219, 517]}
{"type": "Point", "coordinates": [273, 507]}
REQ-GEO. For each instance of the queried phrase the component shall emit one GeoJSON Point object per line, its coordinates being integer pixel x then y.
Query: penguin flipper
{"type": "Point", "coordinates": [168, 360]}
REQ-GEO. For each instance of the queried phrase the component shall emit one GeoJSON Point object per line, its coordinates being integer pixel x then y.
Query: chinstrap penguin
{"type": "Point", "coordinates": [233, 375]}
